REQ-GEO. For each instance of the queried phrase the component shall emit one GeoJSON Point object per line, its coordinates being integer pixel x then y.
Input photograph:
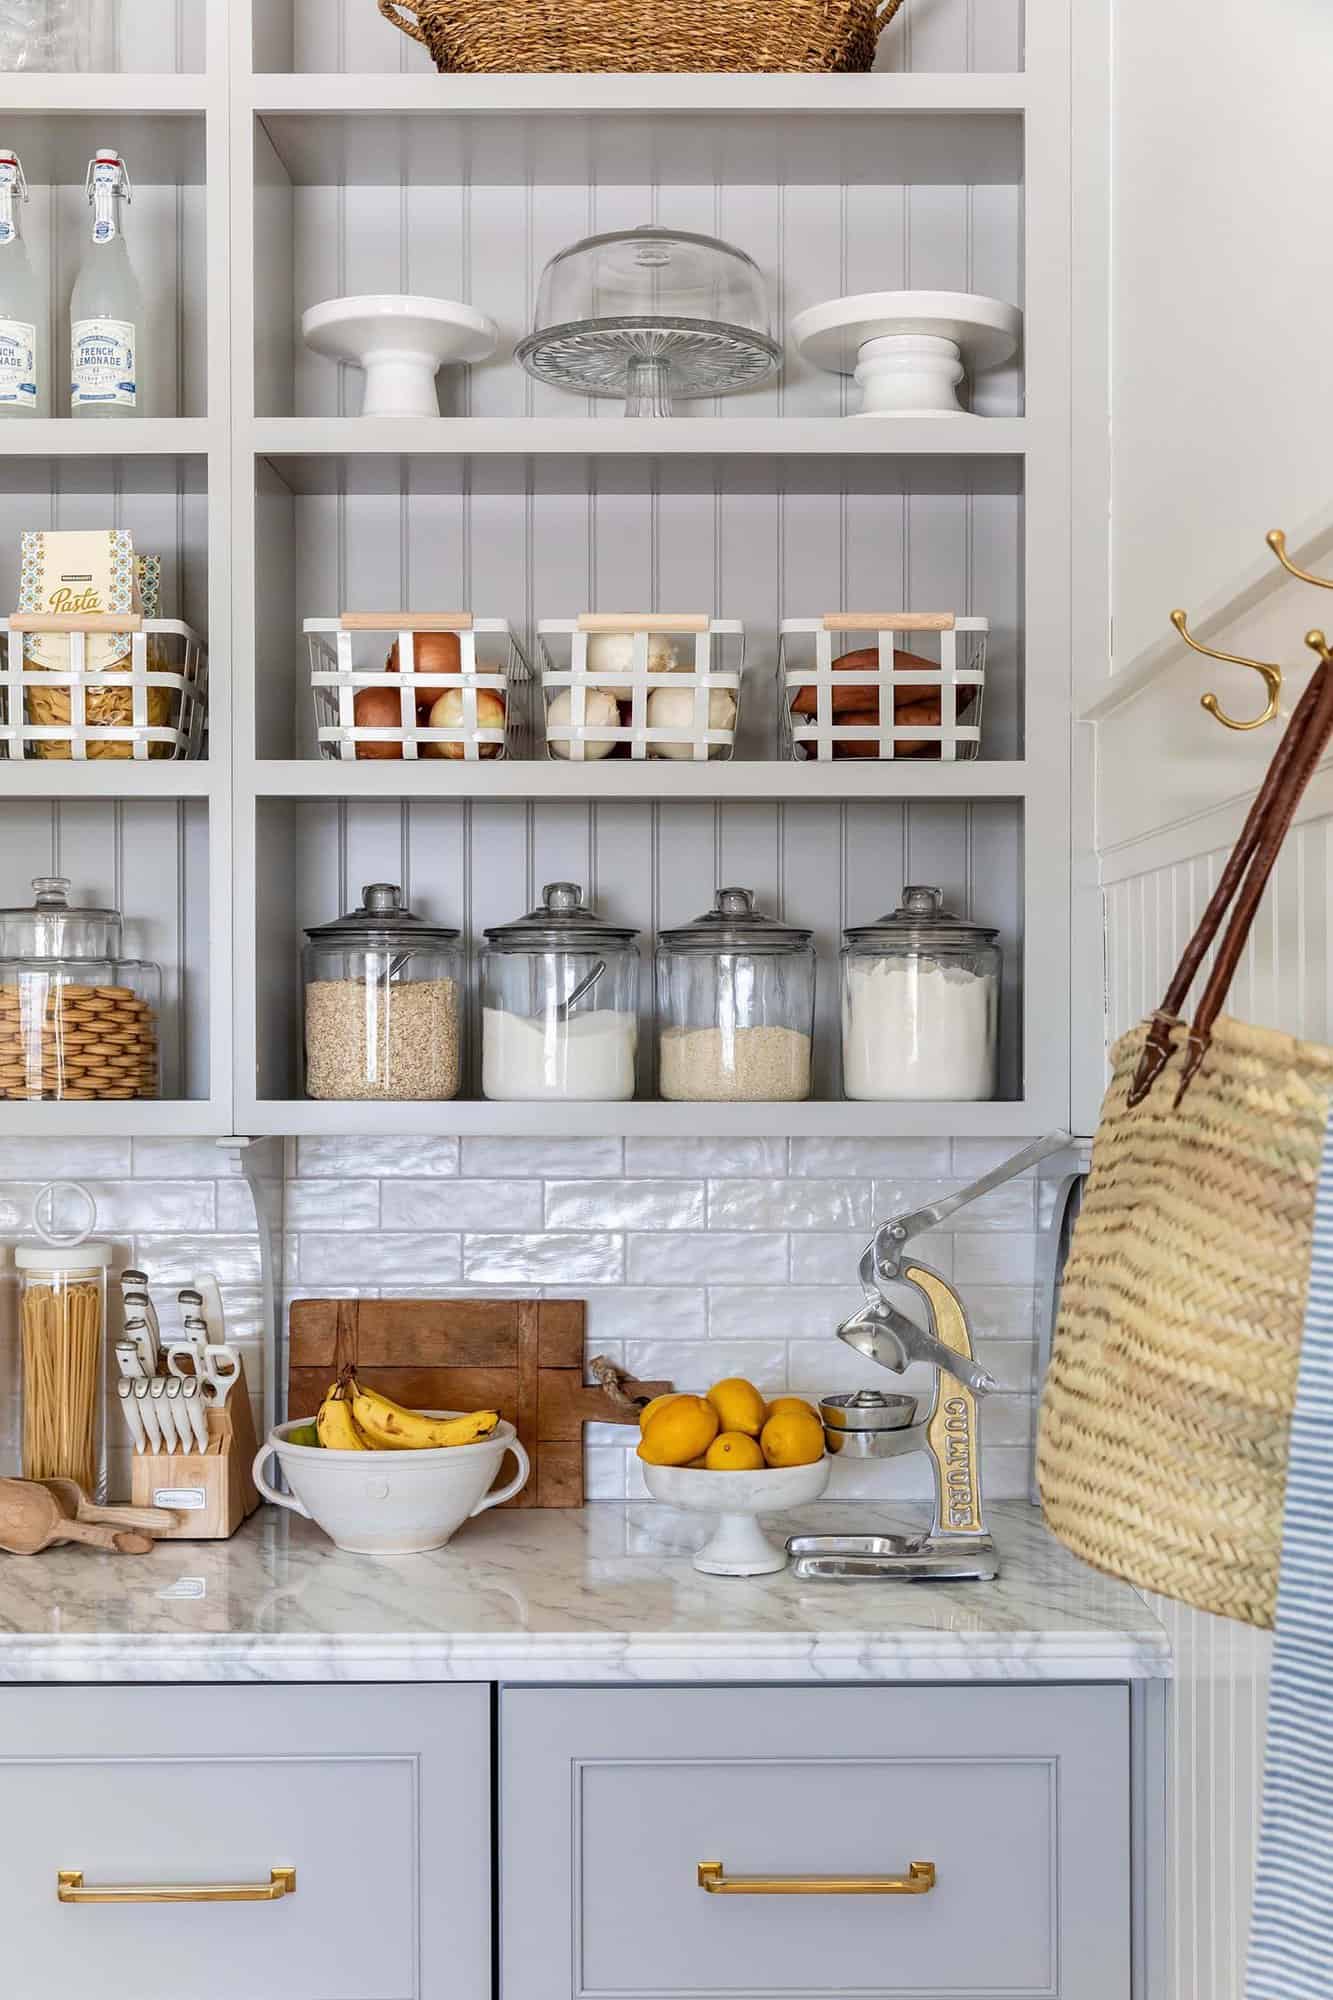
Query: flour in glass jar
{"type": "Point", "coordinates": [912, 1028]}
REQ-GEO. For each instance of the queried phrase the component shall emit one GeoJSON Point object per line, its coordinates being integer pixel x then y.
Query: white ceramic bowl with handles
{"type": "Point", "coordinates": [391, 1503]}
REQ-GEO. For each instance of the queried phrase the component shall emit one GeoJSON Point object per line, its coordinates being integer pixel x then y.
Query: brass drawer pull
{"type": "Point", "coordinates": [918, 1881]}
{"type": "Point", "coordinates": [281, 1882]}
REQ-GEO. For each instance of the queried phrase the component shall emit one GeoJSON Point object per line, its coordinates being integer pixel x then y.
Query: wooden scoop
{"type": "Point", "coordinates": [31, 1519]}
{"type": "Point", "coordinates": [75, 1502]}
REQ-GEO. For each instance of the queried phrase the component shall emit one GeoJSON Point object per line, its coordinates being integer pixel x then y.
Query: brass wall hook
{"type": "Point", "coordinates": [1272, 678]}
{"type": "Point", "coordinates": [1277, 542]}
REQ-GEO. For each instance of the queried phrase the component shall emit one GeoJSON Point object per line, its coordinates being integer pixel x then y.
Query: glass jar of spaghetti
{"type": "Point", "coordinates": [62, 1332]}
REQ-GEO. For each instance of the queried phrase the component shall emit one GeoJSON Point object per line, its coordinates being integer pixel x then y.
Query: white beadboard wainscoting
{"type": "Point", "coordinates": [698, 1259]}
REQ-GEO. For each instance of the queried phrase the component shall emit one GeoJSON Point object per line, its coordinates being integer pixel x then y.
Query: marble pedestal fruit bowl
{"type": "Point", "coordinates": [401, 341]}
{"type": "Point", "coordinates": [391, 1502]}
{"type": "Point", "coordinates": [735, 1456]}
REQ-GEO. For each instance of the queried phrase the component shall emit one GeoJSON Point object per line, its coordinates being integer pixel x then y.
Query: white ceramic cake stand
{"type": "Point", "coordinates": [400, 341]}
{"type": "Point", "coordinates": [908, 350]}
{"type": "Point", "coordinates": [738, 1545]}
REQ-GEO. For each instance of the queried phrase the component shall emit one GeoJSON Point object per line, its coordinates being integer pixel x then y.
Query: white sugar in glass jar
{"type": "Point", "coordinates": [920, 1005]}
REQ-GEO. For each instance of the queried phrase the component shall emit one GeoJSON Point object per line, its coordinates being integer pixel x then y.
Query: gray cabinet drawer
{"type": "Point", "coordinates": [379, 1798]}
{"type": "Point", "coordinates": [610, 1799]}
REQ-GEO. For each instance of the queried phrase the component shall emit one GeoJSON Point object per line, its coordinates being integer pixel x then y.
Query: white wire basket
{"type": "Point", "coordinates": [656, 685]}
{"type": "Point", "coordinates": [491, 668]}
{"type": "Point", "coordinates": [882, 710]}
{"type": "Point", "coordinates": [155, 708]}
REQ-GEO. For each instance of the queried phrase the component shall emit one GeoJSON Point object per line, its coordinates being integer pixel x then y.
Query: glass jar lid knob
{"type": "Point", "coordinates": [734, 902]}
{"type": "Point", "coordinates": [384, 899]}
{"type": "Point", "coordinates": [50, 892]}
{"type": "Point", "coordinates": [919, 901]}
{"type": "Point", "coordinates": [562, 899]}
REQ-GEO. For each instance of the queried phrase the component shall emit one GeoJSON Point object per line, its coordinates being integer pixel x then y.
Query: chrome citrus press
{"type": "Point", "coordinates": [945, 1424]}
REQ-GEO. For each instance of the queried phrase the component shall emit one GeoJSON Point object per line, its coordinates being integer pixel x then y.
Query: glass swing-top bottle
{"type": "Point", "coordinates": [23, 387]}
{"type": "Point", "coordinates": [106, 319]}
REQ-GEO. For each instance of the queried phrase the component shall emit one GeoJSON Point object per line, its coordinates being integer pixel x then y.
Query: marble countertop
{"type": "Point", "coordinates": [604, 1593]}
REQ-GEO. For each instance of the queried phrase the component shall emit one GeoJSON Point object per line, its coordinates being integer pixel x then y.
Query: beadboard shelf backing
{"type": "Point", "coordinates": [751, 538]}
{"type": "Point", "coordinates": [476, 864]}
{"type": "Point", "coordinates": [148, 858]}
{"type": "Point", "coordinates": [343, 35]}
{"type": "Point", "coordinates": [472, 207]}
{"type": "Point", "coordinates": [163, 502]}
{"type": "Point", "coordinates": [165, 233]}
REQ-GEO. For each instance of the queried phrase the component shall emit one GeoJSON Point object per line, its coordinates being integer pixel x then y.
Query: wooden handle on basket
{"type": "Point", "coordinates": [888, 621]}
{"type": "Point", "coordinates": [405, 621]}
{"type": "Point", "coordinates": [76, 621]}
{"type": "Point", "coordinates": [642, 621]}
{"type": "Point", "coordinates": [1242, 884]}
{"type": "Point", "coordinates": [390, 13]}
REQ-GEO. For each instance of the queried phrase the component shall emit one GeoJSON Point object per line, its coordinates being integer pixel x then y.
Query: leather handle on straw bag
{"type": "Point", "coordinates": [389, 9]}
{"type": "Point", "coordinates": [1243, 882]}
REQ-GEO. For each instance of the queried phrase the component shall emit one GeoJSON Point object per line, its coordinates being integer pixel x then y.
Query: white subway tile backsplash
{"type": "Point", "coordinates": [767, 1204]}
{"type": "Point", "coordinates": [832, 1158]}
{"type": "Point", "coordinates": [543, 1159]}
{"type": "Point", "coordinates": [624, 1204]}
{"type": "Point", "coordinates": [191, 1159]}
{"type": "Point", "coordinates": [44, 1160]}
{"type": "Point", "coordinates": [358, 1259]}
{"type": "Point", "coordinates": [624, 1312]}
{"type": "Point", "coordinates": [695, 1368]}
{"type": "Point", "coordinates": [711, 1258]}
{"type": "Point", "coordinates": [787, 1312]}
{"type": "Point", "coordinates": [1011, 1206]}
{"type": "Point", "coordinates": [123, 1207]}
{"type": "Point", "coordinates": [825, 1258]}
{"type": "Point", "coordinates": [460, 1204]}
{"type": "Point", "coordinates": [330, 1204]}
{"type": "Point", "coordinates": [997, 1259]}
{"type": "Point", "coordinates": [178, 1260]}
{"type": "Point", "coordinates": [697, 1258]}
{"type": "Point", "coordinates": [706, 1157]}
{"type": "Point", "coordinates": [566, 1257]}
{"type": "Point", "coordinates": [422, 1158]}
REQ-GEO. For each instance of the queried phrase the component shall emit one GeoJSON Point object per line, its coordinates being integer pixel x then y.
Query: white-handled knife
{"type": "Point", "coordinates": [148, 1411]}
{"type": "Point", "coordinates": [138, 1303]}
{"type": "Point", "coordinates": [195, 1414]}
{"type": "Point", "coordinates": [132, 1413]}
{"type": "Point", "coordinates": [158, 1404]}
{"type": "Point", "coordinates": [129, 1361]}
{"type": "Point", "coordinates": [175, 1409]}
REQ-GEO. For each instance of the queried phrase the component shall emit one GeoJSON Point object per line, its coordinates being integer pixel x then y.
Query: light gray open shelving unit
{"type": "Point", "coordinates": [292, 152]}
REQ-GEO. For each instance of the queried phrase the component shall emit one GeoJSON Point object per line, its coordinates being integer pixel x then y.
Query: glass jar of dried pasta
{"type": "Point", "coordinates": [62, 1334]}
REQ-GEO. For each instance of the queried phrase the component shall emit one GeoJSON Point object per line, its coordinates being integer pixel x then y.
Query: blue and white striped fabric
{"type": "Point", "coordinates": [1291, 1940]}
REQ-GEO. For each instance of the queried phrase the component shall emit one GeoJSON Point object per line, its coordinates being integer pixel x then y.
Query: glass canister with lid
{"type": "Point", "coordinates": [920, 1004]}
{"type": "Point", "coordinates": [560, 1004]}
{"type": "Point", "coordinates": [78, 1019]}
{"type": "Point", "coordinates": [62, 1319]}
{"type": "Point", "coordinates": [735, 1006]}
{"type": "Point", "coordinates": [383, 1003]}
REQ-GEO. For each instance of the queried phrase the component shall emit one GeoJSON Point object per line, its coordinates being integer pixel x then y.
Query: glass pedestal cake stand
{"type": "Point", "coordinates": [652, 315]}
{"type": "Point", "coordinates": [648, 361]}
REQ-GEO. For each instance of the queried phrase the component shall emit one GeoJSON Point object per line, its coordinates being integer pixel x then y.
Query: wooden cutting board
{"type": "Point", "coordinates": [522, 1357]}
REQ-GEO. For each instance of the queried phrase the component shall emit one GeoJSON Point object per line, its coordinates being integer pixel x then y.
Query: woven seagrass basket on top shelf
{"type": "Point", "coordinates": [468, 36]}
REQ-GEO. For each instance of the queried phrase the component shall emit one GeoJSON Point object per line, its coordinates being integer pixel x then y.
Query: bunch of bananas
{"type": "Point", "coordinates": [354, 1418]}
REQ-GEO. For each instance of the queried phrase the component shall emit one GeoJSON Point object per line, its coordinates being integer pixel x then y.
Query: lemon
{"type": "Point", "coordinates": [683, 1430]}
{"type": "Point", "coordinates": [739, 1405]}
{"type": "Point", "coordinates": [650, 1409]}
{"type": "Point", "coordinates": [793, 1439]}
{"type": "Point", "coordinates": [733, 1451]}
{"type": "Point", "coordinates": [787, 1406]}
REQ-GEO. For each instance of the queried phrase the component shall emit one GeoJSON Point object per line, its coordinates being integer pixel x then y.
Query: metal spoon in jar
{"type": "Point", "coordinates": [584, 987]}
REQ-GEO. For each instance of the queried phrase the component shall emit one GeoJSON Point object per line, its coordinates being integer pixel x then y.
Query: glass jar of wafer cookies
{"type": "Point", "coordinates": [78, 1019]}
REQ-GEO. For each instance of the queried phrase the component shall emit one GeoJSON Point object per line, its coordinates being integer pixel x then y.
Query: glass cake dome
{"type": "Point", "coordinates": [651, 315]}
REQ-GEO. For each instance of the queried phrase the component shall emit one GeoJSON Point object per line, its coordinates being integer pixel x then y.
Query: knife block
{"type": "Point", "coordinates": [212, 1491]}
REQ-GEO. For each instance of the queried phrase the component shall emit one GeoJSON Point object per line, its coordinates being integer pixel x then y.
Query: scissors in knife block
{"type": "Point", "coordinates": [215, 1365]}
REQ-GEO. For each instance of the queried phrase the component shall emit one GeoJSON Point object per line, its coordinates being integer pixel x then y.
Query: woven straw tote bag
{"type": "Point", "coordinates": [468, 36]}
{"type": "Point", "coordinates": [1162, 1453]}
